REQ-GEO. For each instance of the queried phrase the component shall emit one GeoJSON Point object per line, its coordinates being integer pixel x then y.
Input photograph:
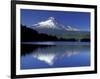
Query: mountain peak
{"type": "Point", "coordinates": [51, 18]}
{"type": "Point", "coordinates": [49, 23]}
{"type": "Point", "coordinates": [52, 23]}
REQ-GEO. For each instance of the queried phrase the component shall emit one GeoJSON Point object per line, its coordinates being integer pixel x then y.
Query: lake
{"type": "Point", "coordinates": [35, 55]}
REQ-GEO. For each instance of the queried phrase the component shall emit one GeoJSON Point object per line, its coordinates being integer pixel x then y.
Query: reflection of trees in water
{"type": "Point", "coordinates": [45, 49]}
{"type": "Point", "coordinates": [29, 48]}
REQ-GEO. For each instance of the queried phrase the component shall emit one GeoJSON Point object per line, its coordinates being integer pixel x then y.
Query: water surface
{"type": "Point", "coordinates": [54, 54]}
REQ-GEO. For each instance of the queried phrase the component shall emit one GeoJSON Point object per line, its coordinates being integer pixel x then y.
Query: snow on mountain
{"type": "Point", "coordinates": [69, 28]}
{"type": "Point", "coordinates": [52, 23]}
{"type": "Point", "coordinates": [49, 23]}
{"type": "Point", "coordinates": [53, 27]}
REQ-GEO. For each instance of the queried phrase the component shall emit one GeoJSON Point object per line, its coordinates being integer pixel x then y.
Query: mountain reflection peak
{"type": "Point", "coordinates": [50, 54]}
{"type": "Point", "coordinates": [49, 59]}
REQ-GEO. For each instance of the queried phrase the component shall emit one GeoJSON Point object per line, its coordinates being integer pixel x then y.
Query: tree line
{"type": "Point", "coordinates": [28, 34]}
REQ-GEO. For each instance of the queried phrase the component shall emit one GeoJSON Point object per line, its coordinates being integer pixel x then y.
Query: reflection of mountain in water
{"type": "Point", "coordinates": [49, 54]}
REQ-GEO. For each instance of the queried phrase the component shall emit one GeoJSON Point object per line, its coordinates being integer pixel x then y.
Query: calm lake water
{"type": "Point", "coordinates": [54, 54]}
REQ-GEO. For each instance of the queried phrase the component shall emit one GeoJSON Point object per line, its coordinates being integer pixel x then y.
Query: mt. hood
{"type": "Point", "coordinates": [52, 23]}
{"type": "Point", "coordinates": [52, 27]}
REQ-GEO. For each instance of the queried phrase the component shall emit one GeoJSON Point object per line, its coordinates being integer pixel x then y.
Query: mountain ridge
{"type": "Point", "coordinates": [51, 29]}
{"type": "Point", "coordinates": [52, 23]}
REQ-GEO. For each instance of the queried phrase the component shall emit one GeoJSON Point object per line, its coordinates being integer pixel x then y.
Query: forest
{"type": "Point", "coordinates": [30, 35]}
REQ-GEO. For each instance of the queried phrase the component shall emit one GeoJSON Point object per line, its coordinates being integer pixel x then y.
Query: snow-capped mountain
{"type": "Point", "coordinates": [52, 27]}
{"type": "Point", "coordinates": [52, 23]}
{"type": "Point", "coordinates": [49, 23]}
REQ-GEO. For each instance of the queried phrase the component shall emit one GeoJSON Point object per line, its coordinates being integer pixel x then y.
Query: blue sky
{"type": "Point", "coordinates": [80, 20]}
